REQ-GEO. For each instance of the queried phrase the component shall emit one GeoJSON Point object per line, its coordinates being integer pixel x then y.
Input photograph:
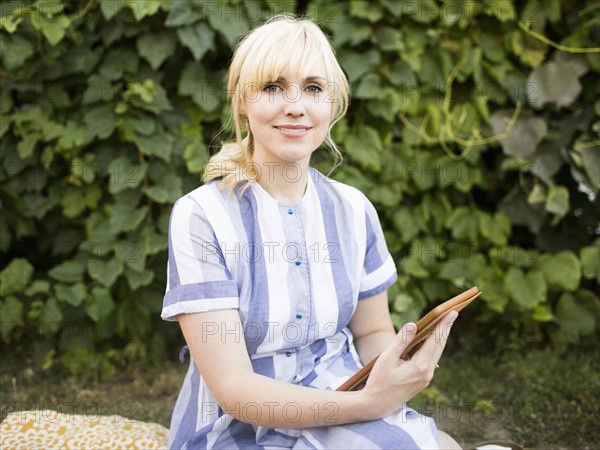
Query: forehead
{"type": "Point", "coordinates": [317, 71]}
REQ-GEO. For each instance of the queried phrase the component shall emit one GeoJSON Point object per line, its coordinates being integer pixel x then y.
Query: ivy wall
{"type": "Point", "coordinates": [474, 129]}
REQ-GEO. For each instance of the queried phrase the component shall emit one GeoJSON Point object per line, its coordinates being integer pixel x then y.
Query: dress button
{"type": "Point", "coordinates": [288, 354]}
{"type": "Point", "coordinates": [290, 211]}
{"type": "Point", "coordinates": [298, 316]}
{"type": "Point", "coordinates": [298, 263]}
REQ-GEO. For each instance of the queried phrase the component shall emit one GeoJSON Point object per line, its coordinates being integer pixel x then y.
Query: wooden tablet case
{"type": "Point", "coordinates": [424, 328]}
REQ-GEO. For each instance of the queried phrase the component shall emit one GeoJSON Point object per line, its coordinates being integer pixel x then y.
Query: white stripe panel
{"type": "Point", "coordinates": [357, 200]}
{"type": "Point", "coordinates": [325, 306]}
{"type": "Point", "coordinates": [218, 216]}
{"type": "Point", "coordinates": [382, 274]}
{"type": "Point", "coordinates": [189, 267]}
{"type": "Point", "coordinates": [187, 307]}
{"type": "Point", "coordinates": [277, 266]}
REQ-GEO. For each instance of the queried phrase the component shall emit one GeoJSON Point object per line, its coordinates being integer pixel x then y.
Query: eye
{"type": "Point", "coordinates": [271, 87]}
{"type": "Point", "coordinates": [314, 88]}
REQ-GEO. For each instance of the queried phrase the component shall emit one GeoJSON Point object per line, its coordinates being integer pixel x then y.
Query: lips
{"type": "Point", "coordinates": [293, 130]}
{"type": "Point", "coordinates": [292, 127]}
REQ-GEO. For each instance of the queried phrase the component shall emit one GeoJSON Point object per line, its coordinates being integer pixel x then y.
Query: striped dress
{"type": "Point", "coordinates": [295, 273]}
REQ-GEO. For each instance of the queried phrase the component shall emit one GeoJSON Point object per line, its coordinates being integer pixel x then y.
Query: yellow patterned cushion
{"type": "Point", "coordinates": [48, 430]}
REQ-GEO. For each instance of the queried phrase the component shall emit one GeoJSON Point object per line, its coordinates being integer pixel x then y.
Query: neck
{"type": "Point", "coordinates": [284, 182]}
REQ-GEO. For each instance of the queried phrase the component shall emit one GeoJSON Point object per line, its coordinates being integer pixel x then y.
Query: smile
{"type": "Point", "coordinates": [293, 129]}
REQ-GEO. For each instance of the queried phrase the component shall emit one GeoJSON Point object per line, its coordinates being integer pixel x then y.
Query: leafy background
{"type": "Point", "coordinates": [474, 129]}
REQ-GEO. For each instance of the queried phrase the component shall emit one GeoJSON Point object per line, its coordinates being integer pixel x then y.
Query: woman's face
{"type": "Point", "coordinates": [289, 118]}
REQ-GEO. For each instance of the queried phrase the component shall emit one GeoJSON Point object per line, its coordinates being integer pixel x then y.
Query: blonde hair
{"type": "Point", "coordinates": [262, 56]}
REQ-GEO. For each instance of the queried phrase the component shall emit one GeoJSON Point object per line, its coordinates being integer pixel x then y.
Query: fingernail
{"type": "Point", "coordinates": [411, 327]}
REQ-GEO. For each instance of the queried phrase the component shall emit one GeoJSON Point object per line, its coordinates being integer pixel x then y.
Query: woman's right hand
{"type": "Point", "coordinates": [394, 380]}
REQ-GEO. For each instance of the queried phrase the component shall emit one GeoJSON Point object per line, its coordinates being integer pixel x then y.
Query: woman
{"type": "Point", "coordinates": [278, 275]}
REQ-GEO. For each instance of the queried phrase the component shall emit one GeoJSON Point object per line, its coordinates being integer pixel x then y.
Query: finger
{"type": "Point", "coordinates": [403, 338]}
{"type": "Point", "coordinates": [435, 343]}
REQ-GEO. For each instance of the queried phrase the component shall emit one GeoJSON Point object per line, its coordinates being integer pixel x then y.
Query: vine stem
{"type": "Point", "coordinates": [547, 41]}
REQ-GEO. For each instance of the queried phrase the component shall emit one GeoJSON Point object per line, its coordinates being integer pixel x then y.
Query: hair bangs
{"type": "Point", "coordinates": [280, 53]}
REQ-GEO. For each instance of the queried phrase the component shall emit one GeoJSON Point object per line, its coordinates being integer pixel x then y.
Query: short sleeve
{"type": "Point", "coordinates": [379, 269]}
{"type": "Point", "coordinates": [197, 277]}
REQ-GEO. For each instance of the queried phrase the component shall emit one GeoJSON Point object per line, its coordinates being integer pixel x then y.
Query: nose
{"type": "Point", "coordinates": [293, 105]}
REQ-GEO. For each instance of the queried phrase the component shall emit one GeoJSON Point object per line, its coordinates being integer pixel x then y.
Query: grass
{"type": "Point", "coordinates": [536, 397]}
{"type": "Point", "coordinates": [532, 396]}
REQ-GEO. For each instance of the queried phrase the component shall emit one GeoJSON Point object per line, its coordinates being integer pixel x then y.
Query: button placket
{"type": "Point", "coordinates": [296, 234]}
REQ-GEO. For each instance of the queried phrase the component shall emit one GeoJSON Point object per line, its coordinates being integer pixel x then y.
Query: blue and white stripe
{"type": "Point", "coordinates": [295, 273]}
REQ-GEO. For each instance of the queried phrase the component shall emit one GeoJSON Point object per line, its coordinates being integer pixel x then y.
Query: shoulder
{"type": "Point", "coordinates": [341, 192]}
{"type": "Point", "coordinates": [208, 195]}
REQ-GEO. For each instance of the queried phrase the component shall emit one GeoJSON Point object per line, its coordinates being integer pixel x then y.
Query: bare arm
{"type": "Point", "coordinates": [372, 327]}
{"type": "Point", "coordinates": [225, 366]}
{"type": "Point", "coordinates": [259, 400]}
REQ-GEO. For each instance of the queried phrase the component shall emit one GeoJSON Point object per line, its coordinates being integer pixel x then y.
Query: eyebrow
{"type": "Point", "coordinates": [310, 78]}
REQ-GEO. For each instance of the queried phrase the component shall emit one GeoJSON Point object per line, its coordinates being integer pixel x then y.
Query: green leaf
{"type": "Point", "coordinates": [526, 290]}
{"type": "Point", "coordinates": [15, 277]}
{"type": "Point", "coordinates": [407, 223]}
{"type": "Point", "coordinates": [364, 147]}
{"type": "Point", "coordinates": [356, 64]}
{"type": "Point", "coordinates": [524, 137]}
{"type": "Point", "coordinates": [492, 47]}
{"type": "Point", "coordinates": [515, 206]}
{"type": "Point", "coordinates": [574, 320]}
{"type": "Point", "coordinates": [414, 266]}
{"type": "Point", "coordinates": [126, 218]}
{"type": "Point", "coordinates": [198, 38]}
{"type": "Point", "coordinates": [503, 10]}
{"type": "Point", "coordinates": [369, 87]}
{"type": "Point", "coordinates": [389, 39]}
{"type": "Point", "coordinates": [106, 272]}
{"type": "Point", "coordinates": [495, 228]}
{"type": "Point", "coordinates": [590, 261]}
{"type": "Point", "coordinates": [143, 8]}
{"type": "Point", "coordinates": [71, 294]}
{"type": "Point", "coordinates": [11, 311]}
{"type": "Point", "coordinates": [10, 23]}
{"type": "Point", "coordinates": [491, 283]}
{"type": "Point", "coordinates": [100, 122]}
{"type": "Point", "coordinates": [562, 270]}
{"type": "Point", "coordinates": [465, 267]}
{"type": "Point", "coordinates": [196, 156]}
{"type": "Point", "coordinates": [366, 10]}
{"type": "Point", "coordinates": [15, 50]}
{"type": "Point", "coordinates": [232, 24]}
{"type": "Point", "coordinates": [541, 313]}
{"type": "Point", "coordinates": [203, 87]}
{"type": "Point", "coordinates": [123, 174]}
{"type": "Point", "coordinates": [100, 304]}
{"type": "Point", "coordinates": [99, 89]}
{"type": "Point", "coordinates": [118, 61]}
{"type": "Point", "coordinates": [388, 195]}
{"type": "Point", "coordinates": [463, 224]}
{"type": "Point", "coordinates": [400, 74]}
{"type": "Point", "coordinates": [590, 158]}
{"type": "Point", "coordinates": [159, 144]}
{"type": "Point", "coordinates": [73, 202]}
{"type": "Point", "coordinates": [110, 9]}
{"type": "Point", "coordinates": [52, 314]}
{"type": "Point", "coordinates": [557, 201]}
{"type": "Point", "coordinates": [554, 82]}
{"type": "Point", "coordinates": [138, 279]}
{"type": "Point", "coordinates": [68, 271]}
{"type": "Point", "coordinates": [403, 302]}
{"type": "Point", "coordinates": [37, 287]}
{"type": "Point", "coordinates": [183, 13]}
{"type": "Point", "coordinates": [153, 241]}
{"type": "Point", "coordinates": [53, 28]}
